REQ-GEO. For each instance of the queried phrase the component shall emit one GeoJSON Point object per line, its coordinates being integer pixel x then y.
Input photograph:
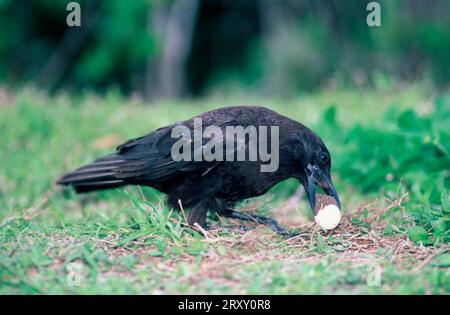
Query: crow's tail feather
{"type": "Point", "coordinates": [102, 174]}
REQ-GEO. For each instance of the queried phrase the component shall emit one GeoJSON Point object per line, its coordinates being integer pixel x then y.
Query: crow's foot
{"type": "Point", "coordinates": [258, 219]}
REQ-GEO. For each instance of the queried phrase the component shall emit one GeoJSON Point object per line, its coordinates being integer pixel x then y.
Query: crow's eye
{"type": "Point", "coordinates": [324, 157]}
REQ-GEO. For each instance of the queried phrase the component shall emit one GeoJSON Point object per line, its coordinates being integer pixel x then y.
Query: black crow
{"type": "Point", "coordinates": [170, 160]}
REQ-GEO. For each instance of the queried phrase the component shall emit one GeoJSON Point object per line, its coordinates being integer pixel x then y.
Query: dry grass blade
{"type": "Point", "coordinates": [393, 203]}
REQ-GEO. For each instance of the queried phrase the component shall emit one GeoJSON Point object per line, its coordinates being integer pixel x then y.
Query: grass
{"type": "Point", "coordinates": [390, 151]}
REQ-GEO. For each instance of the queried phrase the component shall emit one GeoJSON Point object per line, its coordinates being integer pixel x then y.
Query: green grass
{"type": "Point", "coordinates": [391, 163]}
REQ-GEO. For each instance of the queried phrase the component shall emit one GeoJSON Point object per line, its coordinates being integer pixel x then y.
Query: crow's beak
{"type": "Point", "coordinates": [315, 175]}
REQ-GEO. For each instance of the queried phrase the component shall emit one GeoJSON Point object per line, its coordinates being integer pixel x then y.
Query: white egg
{"type": "Point", "coordinates": [328, 217]}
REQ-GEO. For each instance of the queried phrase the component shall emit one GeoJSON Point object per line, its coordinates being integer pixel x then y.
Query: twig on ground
{"type": "Point", "coordinates": [394, 203]}
{"type": "Point", "coordinates": [201, 230]}
{"type": "Point", "coordinates": [428, 259]}
{"type": "Point", "coordinates": [220, 218]}
{"type": "Point", "coordinates": [196, 226]}
{"type": "Point", "coordinates": [31, 212]}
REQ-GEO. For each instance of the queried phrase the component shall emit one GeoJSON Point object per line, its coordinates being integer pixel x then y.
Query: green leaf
{"type": "Point", "coordinates": [445, 200]}
{"type": "Point", "coordinates": [417, 234]}
{"type": "Point", "coordinates": [330, 116]}
{"type": "Point", "coordinates": [366, 213]}
{"type": "Point", "coordinates": [442, 261]}
{"type": "Point", "coordinates": [221, 250]}
{"type": "Point", "coordinates": [439, 226]}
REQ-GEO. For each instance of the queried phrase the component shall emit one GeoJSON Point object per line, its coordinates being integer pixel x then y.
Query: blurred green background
{"type": "Point", "coordinates": [179, 48]}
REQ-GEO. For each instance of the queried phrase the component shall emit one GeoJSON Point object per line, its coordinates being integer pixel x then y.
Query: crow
{"type": "Point", "coordinates": [170, 161]}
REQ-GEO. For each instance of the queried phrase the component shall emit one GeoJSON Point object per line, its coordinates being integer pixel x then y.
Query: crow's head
{"type": "Point", "coordinates": [315, 169]}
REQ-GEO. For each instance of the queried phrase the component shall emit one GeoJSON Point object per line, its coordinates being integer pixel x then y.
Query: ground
{"type": "Point", "coordinates": [393, 237]}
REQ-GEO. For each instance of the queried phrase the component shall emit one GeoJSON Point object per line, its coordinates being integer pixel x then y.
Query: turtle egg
{"type": "Point", "coordinates": [328, 217]}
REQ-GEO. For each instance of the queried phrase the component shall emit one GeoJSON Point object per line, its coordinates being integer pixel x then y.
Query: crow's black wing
{"type": "Point", "coordinates": [144, 160]}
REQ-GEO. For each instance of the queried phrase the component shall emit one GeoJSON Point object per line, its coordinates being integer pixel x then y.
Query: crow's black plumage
{"type": "Point", "coordinates": [214, 185]}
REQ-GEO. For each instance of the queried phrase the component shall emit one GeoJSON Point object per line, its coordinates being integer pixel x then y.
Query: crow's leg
{"type": "Point", "coordinates": [197, 214]}
{"type": "Point", "coordinates": [255, 218]}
